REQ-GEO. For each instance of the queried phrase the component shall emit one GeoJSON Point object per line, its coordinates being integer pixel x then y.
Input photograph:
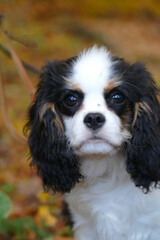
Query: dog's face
{"type": "Point", "coordinates": [93, 105]}
{"type": "Point", "coordinates": [96, 113]}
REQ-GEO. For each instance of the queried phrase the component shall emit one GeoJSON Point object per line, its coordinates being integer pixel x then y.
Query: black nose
{"type": "Point", "coordinates": [94, 120]}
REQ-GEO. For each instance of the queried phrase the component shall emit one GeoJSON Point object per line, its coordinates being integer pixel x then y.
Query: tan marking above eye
{"type": "Point", "coordinates": [113, 83]}
{"type": "Point", "coordinates": [110, 87]}
{"type": "Point", "coordinates": [76, 87]}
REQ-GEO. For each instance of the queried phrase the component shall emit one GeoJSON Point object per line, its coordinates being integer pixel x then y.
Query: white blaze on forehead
{"type": "Point", "coordinates": [92, 69]}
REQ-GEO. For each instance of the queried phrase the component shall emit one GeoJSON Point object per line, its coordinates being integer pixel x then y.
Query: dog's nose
{"type": "Point", "coordinates": [94, 120]}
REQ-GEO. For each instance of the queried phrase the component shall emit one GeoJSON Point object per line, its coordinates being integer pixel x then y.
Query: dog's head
{"type": "Point", "coordinates": [93, 105]}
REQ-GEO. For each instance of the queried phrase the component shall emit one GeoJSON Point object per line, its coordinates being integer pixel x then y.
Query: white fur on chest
{"type": "Point", "coordinates": [107, 205]}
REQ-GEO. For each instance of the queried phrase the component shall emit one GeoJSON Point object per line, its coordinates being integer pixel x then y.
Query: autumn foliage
{"type": "Point", "coordinates": [30, 33]}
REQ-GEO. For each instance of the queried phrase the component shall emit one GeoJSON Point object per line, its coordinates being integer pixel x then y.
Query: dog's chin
{"type": "Point", "coordinates": [95, 147]}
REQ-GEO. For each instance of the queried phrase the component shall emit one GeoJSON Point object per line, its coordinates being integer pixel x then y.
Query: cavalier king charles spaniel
{"type": "Point", "coordinates": [95, 136]}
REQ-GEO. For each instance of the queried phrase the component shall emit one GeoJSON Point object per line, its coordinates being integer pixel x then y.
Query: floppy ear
{"type": "Point", "coordinates": [143, 150]}
{"type": "Point", "coordinates": [54, 159]}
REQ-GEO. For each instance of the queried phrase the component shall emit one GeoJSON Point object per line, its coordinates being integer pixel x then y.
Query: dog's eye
{"type": "Point", "coordinates": [71, 100]}
{"type": "Point", "coordinates": [118, 98]}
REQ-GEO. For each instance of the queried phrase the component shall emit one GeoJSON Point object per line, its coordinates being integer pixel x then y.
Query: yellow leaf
{"type": "Point", "coordinates": [44, 214]}
{"type": "Point", "coordinates": [43, 197]}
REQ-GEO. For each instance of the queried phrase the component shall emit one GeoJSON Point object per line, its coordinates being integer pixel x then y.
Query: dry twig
{"type": "Point", "coordinates": [25, 79]}
{"type": "Point", "coordinates": [20, 67]}
{"type": "Point", "coordinates": [7, 121]}
{"type": "Point", "coordinates": [22, 39]}
{"type": "Point", "coordinates": [25, 65]}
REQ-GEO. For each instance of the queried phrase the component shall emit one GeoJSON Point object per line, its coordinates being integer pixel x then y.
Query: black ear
{"type": "Point", "coordinates": [54, 159]}
{"type": "Point", "coordinates": [143, 150]}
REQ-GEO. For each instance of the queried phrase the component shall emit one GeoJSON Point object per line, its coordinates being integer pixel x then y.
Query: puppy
{"type": "Point", "coordinates": [95, 136]}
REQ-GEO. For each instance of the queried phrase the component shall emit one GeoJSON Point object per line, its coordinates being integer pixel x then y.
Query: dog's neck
{"type": "Point", "coordinates": [97, 168]}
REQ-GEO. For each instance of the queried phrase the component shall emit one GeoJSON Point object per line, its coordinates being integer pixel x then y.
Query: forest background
{"type": "Point", "coordinates": [37, 31]}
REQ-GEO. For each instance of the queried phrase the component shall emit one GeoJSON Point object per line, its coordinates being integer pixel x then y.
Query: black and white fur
{"type": "Point", "coordinates": [95, 136]}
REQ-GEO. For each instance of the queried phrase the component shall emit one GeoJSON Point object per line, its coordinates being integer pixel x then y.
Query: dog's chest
{"type": "Point", "coordinates": [115, 212]}
{"type": "Point", "coordinates": [98, 203]}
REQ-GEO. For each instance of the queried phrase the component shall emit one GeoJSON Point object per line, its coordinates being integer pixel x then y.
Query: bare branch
{"type": "Point", "coordinates": [22, 39]}
{"type": "Point", "coordinates": [20, 67]}
{"type": "Point", "coordinates": [2, 16]}
{"type": "Point", "coordinates": [21, 70]}
{"type": "Point", "coordinates": [7, 121]}
{"type": "Point", "coordinates": [25, 65]}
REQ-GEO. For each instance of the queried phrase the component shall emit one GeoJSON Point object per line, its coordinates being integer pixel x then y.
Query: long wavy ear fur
{"type": "Point", "coordinates": [55, 161]}
{"type": "Point", "coordinates": [143, 151]}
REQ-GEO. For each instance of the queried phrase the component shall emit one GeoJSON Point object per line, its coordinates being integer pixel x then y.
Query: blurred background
{"type": "Point", "coordinates": [37, 31]}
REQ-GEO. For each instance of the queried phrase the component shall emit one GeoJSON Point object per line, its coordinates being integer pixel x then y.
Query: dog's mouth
{"type": "Point", "coordinates": [95, 145]}
{"type": "Point", "coordinates": [97, 140]}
